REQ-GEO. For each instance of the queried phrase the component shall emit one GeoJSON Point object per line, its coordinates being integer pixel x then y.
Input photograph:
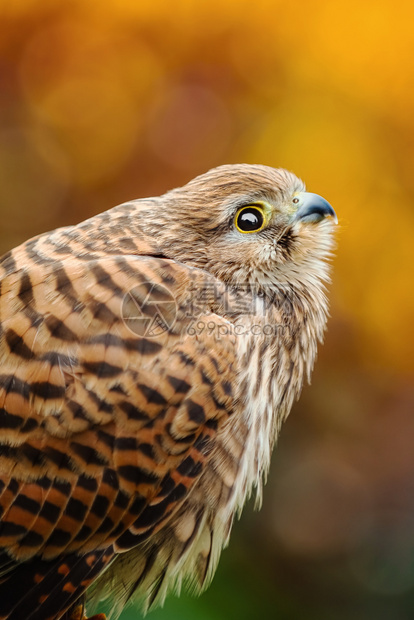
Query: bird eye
{"type": "Point", "coordinates": [295, 200]}
{"type": "Point", "coordinates": [249, 219]}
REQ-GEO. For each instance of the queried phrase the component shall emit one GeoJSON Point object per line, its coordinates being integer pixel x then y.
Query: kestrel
{"type": "Point", "coordinates": [149, 356]}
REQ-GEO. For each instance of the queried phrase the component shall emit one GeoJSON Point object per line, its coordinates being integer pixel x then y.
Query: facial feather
{"type": "Point", "coordinates": [196, 226]}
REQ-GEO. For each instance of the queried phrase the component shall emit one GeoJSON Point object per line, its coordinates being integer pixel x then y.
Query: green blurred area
{"type": "Point", "coordinates": [103, 102]}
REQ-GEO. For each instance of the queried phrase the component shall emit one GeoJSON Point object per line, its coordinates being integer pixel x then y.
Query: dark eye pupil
{"type": "Point", "coordinates": [250, 219]}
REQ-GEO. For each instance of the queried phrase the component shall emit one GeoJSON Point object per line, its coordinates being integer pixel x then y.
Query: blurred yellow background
{"type": "Point", "coordinates": [105, 101]}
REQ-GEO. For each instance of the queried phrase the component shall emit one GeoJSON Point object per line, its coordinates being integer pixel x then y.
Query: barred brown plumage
{"type": "Point", "coordinates": [148, 358]}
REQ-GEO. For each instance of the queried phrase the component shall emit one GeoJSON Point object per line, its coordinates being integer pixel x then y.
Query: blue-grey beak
{"type": "Point", "coordinates": [313, 208]}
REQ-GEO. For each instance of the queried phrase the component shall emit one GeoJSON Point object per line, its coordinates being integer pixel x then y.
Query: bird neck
{"type": "Point", "coordinates": [275, 358]}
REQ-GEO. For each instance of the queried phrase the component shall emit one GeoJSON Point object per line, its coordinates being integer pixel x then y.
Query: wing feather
{"type": "Point", "coordinates": [105, 427]}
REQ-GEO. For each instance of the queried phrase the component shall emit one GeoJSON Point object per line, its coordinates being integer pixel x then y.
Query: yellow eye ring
{"type": "Point", "coordinates": [250, 219]}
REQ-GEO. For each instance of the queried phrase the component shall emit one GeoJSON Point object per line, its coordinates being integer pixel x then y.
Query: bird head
{"type": "Point", "coordinates": [246, 224]}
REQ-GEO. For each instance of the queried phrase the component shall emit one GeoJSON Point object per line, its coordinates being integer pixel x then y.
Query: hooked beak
{"type": "Point", "coordinates": [313, 208]}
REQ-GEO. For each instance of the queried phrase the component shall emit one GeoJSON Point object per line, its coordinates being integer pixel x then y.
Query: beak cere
{"type": "Point", "coordinates": [314, 208]}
